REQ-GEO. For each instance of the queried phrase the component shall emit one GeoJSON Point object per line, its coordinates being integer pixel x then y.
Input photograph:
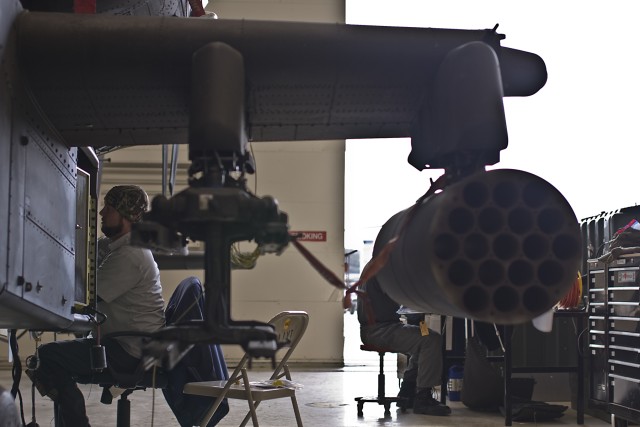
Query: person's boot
{"type": "Point", "coordinates": [408, 392]}
{"type": "Point", "coordinates": [425, 403]}
{"type": "Point", "coordinates": [71, 407]}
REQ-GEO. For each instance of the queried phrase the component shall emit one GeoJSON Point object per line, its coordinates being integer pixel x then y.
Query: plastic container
{"type": "Point", "coordinates": [454, 385]}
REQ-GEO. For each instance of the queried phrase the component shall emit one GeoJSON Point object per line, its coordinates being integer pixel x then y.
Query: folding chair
{"type": "Point", "coordinates": [289, 327]}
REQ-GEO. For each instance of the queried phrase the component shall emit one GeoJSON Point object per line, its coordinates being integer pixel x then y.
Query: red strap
{"type": "Point", "coordinates": [84, 6]}
{"type": "Point", "coordinates": [334, 280]}
{"type": "Point", "coordinates": [328, 275]}
{"type": "Point", "coordinates": [376, 264]}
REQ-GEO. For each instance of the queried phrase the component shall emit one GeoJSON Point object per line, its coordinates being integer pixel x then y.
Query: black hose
{"type": "Point", "coordinates": [16, 372]}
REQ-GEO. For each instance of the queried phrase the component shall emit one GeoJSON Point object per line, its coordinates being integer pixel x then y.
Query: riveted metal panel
{"type": "Point", "coordinates": [38, 189]}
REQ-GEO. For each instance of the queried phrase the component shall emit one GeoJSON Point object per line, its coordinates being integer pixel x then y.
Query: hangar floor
{"type": "Point", "coordinates": [327, 399]}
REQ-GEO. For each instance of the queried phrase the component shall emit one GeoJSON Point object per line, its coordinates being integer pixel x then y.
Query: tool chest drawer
{"type": "Point", "coordinates": [624, 308]}
{"type": "Point", "coordinates": [624, 354]}
{"type": "Point", "coordinates": [597, 302]}
{"type": "Point", "coordinates": [625, 369]}
{"type": "Point", "coordinates": [597, 324]}
{"type": "Point", "coordinates": [624, 339]}
{"type": "Point", "coordinates": [627, 276]}
{"type": "Point", "coordinates": [624, 324]}
{"type": "Point", "coordinates": [625, 391]}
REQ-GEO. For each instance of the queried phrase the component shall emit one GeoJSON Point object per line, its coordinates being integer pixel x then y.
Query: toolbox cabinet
{"type": "Point", "coordinates": [614, 337]}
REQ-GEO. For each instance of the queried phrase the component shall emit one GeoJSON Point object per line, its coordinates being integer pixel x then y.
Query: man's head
{"type": "Point", "coordinates": [123, 206]}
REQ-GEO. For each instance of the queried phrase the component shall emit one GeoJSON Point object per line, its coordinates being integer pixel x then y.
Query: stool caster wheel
{"type": "Point", "coordinates": [387, 410]}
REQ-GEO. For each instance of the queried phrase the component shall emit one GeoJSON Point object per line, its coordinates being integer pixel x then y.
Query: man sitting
{"type": "Point", "coordinates": [423, 345]}
{"type": "Point", "coordinates": [129, 295]}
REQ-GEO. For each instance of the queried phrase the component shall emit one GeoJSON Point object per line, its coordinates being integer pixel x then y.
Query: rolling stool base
{"type": "Point", "coordinates": [386, 401]}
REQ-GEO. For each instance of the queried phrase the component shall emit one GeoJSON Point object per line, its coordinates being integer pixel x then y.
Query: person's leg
{"type": "Point", "coordinates": [411, 372]}
{"type": "Point", "coordinates": [397, 336]}
{"type": "Point", "coordinates": [400, 338]}
{"type": "Point", "coordinates": [426, 350]}
{"type": "Point", "coordinates": [59, 363]}
{"type": "Point", "coordinates": [429, 361]}
{"type": "Point", "coordinates": [62, 361]}
{"type": "Point", "coordinates": [408, 386]}
{"type": "Point", "coordinates": [429, 375]}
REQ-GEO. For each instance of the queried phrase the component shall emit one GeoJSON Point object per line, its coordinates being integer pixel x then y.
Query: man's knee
{"type": "Point", "coordinates": [66, 353]}
{"type": "Point", "coordinates": [48, 355]}
{"type": "Point", "coordinates": [55, 366]}
{"type": "Point", "coordinates": [46, 351]}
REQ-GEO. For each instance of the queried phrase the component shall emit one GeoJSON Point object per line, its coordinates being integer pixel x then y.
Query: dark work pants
{"type": "Point", "coordinates": [61, 362]}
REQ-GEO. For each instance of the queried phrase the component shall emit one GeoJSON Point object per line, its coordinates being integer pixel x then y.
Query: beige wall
{"type": "Point", "coordinates": [307, 179]}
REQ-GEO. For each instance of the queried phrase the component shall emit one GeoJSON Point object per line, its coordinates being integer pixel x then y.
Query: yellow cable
{"type": "Point", "coordinates": [243, 260]}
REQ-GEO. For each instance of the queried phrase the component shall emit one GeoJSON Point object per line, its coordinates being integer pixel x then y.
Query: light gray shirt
{"type": "Point", "coordinates": [129, 285]}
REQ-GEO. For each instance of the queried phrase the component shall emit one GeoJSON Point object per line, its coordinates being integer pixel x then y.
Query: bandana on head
{"type": "Point", "coordinates": [130, 201]}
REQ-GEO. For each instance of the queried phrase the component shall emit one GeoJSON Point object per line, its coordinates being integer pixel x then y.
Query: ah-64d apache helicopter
{"type": "Point", "coordinates": [501, 246]}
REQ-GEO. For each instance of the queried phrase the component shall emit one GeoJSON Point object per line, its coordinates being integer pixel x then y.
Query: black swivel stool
{"type": "Point", "coordinates": [140, 380]}
{"type": "Point", "coordinates": [380, 399]}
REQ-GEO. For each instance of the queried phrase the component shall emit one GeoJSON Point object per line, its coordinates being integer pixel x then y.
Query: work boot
{"type": "Point", "coordinates": [424, 403]}
{"type": "Point", "coordinates": [408, 392]}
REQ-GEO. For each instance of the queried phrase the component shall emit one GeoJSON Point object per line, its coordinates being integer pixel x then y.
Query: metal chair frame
{"type": "Point", "coordinates": [289, 327]}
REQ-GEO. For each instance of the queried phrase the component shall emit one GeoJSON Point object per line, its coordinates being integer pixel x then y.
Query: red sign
{"type": "Point", "coordinates": [310, 236]}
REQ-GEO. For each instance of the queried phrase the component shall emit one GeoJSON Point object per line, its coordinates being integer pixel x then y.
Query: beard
{"type": "Point", "coordinates": [114, 230]}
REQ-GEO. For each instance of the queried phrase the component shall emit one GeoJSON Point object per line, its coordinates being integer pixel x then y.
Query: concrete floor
{"type": "Point", "coordinates": [326, 399]}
